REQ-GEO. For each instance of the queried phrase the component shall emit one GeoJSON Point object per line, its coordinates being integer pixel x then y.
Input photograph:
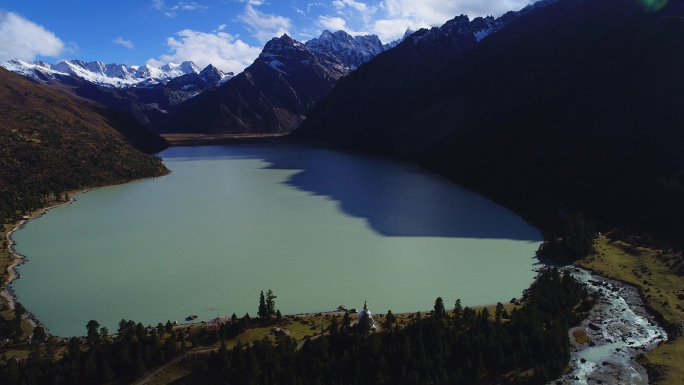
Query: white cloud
{"type": "Point", "coordinates": [436, 12]}
{"type": "Point", "coordinates": [355, 11]}
{"type": "Point", "coordinates": [183, 6]}
{"type": "Point", "coordinates": [339, 4]}
{"type": "Point", "coordinates": [402, 14]}
{"type": "Point", "coordinates": [252, 2]}
{"type": "Point", "coordinates": [192, 6]}
{"type": "Point", "coordinates": [332, 23]}
{"type": "Point", "coordinates": [126, 43]}
{"type": "Point", "coordinates": [158, 4]}
{"type": "Point", "coordinates": [223, 50]}
{"type": "Point", "coordinates": [393, 29]}
{"type": "Point", "coordinates": [221, 27]}
{"type": "Point", "coordinates": [264, 26]}
{"type": "Point", "coordinates": [308, 6]}
{"type": "Point", "coordinates": [23, 39]}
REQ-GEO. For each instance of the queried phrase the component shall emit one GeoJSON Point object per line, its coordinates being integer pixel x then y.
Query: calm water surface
{"type": "Point", "coordinates": [322, 228]}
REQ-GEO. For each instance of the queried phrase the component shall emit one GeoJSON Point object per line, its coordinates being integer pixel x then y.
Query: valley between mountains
{"type": "Point", "coordinates": [567, 112]}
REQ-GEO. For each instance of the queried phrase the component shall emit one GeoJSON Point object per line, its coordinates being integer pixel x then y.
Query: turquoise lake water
{"type": "Point", "coordinates": [320, 227]}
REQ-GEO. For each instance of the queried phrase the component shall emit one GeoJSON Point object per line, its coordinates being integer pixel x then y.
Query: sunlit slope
{"type": "Point", "coordinates": [52, 142]}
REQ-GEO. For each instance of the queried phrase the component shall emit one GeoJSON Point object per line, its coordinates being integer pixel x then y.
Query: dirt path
{"type": "Point", "coordinates": [160, 369]}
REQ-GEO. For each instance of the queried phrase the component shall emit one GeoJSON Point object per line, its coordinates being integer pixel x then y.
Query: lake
{"type": "Point", "coordinates": [319, 227]}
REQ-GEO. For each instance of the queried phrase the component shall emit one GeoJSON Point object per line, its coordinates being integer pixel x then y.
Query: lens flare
{"type": "Point", "coordinates": [654, 5]}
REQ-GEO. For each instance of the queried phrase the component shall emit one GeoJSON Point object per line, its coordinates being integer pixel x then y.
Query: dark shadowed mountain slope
{"type": "Point", "coordinates": [576, 102]}
{"type": "Point", "coordinates": [399, 70]}
{"type": "Point", "coordinates": [275, 93]}
{"type": "Point", "coordinates": [271, 95]}
{"type": "Point", "coordinates": [51, 142]}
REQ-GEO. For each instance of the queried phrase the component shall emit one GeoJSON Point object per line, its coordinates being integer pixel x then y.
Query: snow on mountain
{"type": "Point", "coordinates": [461, 27]}
{"type": "Point", "coordinates": [351, 51]}
{"type": "Point", "coordinates": [38, 70]}
{"type": "Point", "coordinates": [284, 52]}
{"type": "Point", "coordinates": [200, 80]}
{"type": "Point", "coordinates": [107, 75]}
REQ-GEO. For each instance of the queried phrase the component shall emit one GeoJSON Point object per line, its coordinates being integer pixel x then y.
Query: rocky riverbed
{"type": "Point", "coordinates": [618, 328]}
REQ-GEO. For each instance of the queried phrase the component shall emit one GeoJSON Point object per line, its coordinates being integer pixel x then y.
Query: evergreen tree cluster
{"type": "Point", "coordinates": [572, 241]}
{"type": "Point", "coordinates": [461, 347]}
{"type": "Point", "coordinates": [267, 305]}
{"type": "Point", "coordinates": [12, 328]}
{"type": "Point", "coordinates": [100, 361]}
{"type": "Point", "coordinates": [231, 329]}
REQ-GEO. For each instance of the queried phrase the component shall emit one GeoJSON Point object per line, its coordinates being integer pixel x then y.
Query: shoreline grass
{"type": "Point", "coordinates": [657, 276]}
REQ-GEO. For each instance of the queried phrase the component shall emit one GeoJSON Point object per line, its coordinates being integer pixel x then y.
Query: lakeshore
{"type": "Point", "coordinates": [17, 259]}
{"type": "Point", "coordinates": [620, 342]}
{"type": "Point", "coordinates": [592, 260]}
{"type": "Point", "coordinates": [177, 140]}
{"type": "Point", "coordinates": [324, 212]}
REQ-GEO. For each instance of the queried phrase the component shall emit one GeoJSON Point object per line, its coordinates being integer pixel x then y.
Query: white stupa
{"type": "Point", "coordinates": [365, 311]}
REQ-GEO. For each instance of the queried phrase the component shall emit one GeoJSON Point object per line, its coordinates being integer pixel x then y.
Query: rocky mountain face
{"type": "Point", "coordinates": [574, 101]}
{"type": "Point", "coordinates": [346, 49]}
{"type": "Point", "coordinates": [275, 93]}
{"type": "Point", "coordinates": [144, 92]}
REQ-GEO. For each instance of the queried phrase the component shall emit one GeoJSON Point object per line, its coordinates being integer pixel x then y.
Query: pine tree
{"type": "Point", "coordinates": [498, 313]}
{"type": "Point", "coordinates": [93, 336]}
{"type": "Point", "coordinates": [439, 312]}
{"type": "Point", "coordinates": [161, 330]}
{"type": "Point", "coordinates": [390, 319]}
{"type": "Point", "coordinates": [346, 321]}
{"type": "Point", "coordinates": [270, 304]}
{"type": "Point", "coordinates": [263, 311]}
{"type": "Point", "coordinates": [458, 314]}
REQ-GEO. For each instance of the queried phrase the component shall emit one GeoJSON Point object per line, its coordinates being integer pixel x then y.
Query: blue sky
{"type": "Point", "coordinates": [228, 33]}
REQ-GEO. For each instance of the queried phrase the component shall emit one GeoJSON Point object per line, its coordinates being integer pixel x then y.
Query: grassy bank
{"type": "Point", "coordinates": [659, 276]}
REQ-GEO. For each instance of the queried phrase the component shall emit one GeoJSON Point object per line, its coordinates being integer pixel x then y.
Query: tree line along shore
{"type": "Point", "coordinates": [527, 344]}
{"type": "Point", "coordinates": [656, 273]}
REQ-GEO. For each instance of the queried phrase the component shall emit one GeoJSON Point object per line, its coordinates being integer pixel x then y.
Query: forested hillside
{"type": "Point", "coordinates": [51, 142]}
{"type": "Point", "coordinates": [572, 108]}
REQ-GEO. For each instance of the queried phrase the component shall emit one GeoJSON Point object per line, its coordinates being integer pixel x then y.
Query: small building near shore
{"type": "Point", "coordinates": [364, 312]}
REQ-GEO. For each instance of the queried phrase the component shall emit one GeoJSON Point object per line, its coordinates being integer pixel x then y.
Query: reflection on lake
{"type": "Point", "coordinates": [320, 227]}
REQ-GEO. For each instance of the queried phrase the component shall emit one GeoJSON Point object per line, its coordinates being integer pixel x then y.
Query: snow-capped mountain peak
{"type": "Point", "coordinates": [106, 75]}
{"type": "Point", "coordinates": [351, 51]}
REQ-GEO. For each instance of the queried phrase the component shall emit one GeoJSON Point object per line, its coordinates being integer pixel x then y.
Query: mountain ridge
{"type": "Point", "coordinates": [108, 75]}
{"type": "Point", "coordinates": [274, 94]}
{"type": "Point", "coordinates": [52, 142]}
{"type": "Point", "coordinates": [555, 107]}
